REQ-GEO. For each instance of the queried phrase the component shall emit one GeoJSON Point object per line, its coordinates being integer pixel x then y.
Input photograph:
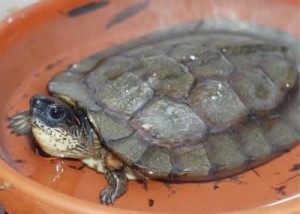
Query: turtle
{"type": "Point", "coordinates": [177, 105]}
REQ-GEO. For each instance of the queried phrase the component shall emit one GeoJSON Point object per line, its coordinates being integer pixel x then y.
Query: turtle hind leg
{"type": "Point", "coordinates": [117, 186]}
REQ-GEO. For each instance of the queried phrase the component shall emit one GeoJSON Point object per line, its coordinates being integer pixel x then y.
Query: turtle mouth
{"type": "Point", "coordinates": [34, 121]}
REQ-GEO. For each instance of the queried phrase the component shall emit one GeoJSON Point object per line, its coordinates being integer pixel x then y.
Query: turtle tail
{"type": "Point", "coordinates": [20, 123]}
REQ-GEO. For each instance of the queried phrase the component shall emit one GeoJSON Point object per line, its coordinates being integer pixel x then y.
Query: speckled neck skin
{"type": "Point", "coordinates": [57, 143]}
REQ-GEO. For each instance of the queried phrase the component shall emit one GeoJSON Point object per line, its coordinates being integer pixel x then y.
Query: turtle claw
{"type": "Point", "coordinates": [108, 195]}
{"type": "Point", "coordinates": [20, 123]}
{"type": "Point", "coordinates": [117, 185]}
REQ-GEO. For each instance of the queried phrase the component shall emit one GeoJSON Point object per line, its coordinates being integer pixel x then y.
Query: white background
{"type": "Point", "coordinates": [8, 7]}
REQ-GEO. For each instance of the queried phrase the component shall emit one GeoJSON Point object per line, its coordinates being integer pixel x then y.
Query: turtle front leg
{"type": "Point", "coordinates": [117, 186]}
{"type": "Point", "coordinates": [20, 123]}
{"type": "Point", "coordinates": [116, 178]}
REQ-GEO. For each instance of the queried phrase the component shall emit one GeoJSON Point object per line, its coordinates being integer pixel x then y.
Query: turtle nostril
{"type": "Point", "coordinates": [35, 101]}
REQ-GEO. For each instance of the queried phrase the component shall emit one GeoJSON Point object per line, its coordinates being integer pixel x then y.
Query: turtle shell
{"type": "Point", "coordinates": [184, 104]}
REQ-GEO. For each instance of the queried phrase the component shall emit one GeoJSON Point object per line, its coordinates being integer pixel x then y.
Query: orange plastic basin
{"type": "Point", "coordinates": [40, 41]}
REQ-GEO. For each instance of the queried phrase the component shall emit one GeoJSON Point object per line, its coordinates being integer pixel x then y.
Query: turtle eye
{"type": "Point", "coordinates": [56, 112]}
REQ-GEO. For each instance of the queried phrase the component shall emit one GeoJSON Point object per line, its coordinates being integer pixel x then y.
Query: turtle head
{"type": "Point", "coordinates": [59, 129]}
